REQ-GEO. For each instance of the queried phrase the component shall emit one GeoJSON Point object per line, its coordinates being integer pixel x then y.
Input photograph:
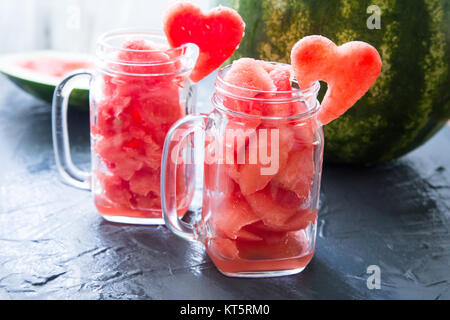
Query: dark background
{"type": "Point", "coordinates": [54, 245]}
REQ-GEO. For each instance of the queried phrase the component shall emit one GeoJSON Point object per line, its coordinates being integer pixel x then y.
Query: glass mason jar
{"type": "Point", "coordinates": [261, 179]}
{"type": "Point", "coordinates": [136, 95]}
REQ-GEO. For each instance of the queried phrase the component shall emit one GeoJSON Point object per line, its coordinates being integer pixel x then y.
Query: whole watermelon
{"type": "Point", "coordinates": [409, 102]}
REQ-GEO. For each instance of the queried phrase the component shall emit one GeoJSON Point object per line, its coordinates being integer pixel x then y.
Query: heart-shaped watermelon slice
{"type": "Point", "coordinates": [349, 70]}
{"type": "Point", "coordinates": [217, 33]}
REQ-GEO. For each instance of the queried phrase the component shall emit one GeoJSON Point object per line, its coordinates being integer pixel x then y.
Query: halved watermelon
{"type": "Point", "coordinates": [39, 72]}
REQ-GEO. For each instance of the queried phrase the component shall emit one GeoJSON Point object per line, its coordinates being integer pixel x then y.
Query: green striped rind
{"type": "Point", "coordinates": [409, 102]}
{"type": "Point", "coordinates": [79, 98]}
{"type": "Point", "coordinates": [43, 86]}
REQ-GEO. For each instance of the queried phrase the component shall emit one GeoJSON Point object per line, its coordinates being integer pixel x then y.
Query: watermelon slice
{"type": "Point", "coordinates": [217, 33]}
{"type": "Point", "coordinates": [349, 70]}
{"type": "Point", "coordinates": [39, 72]}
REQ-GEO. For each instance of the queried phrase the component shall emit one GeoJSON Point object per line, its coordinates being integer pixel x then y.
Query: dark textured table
{"type": "Point", "coordinates": [53, 244]}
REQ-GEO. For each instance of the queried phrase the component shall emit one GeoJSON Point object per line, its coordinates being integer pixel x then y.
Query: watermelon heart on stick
{"type": "Point", "coordinates": [217, 33]}
{"type": "Point", "coordinates": [349, 70]}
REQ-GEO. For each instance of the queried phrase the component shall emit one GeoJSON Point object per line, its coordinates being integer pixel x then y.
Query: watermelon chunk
{"type": "Point", "coordinates": [223, 248]}
{"type": "Point", "coordinates": [217, 179]}
{"type": "Point", "coordinates": [299, 221]}
{"type": "Point", "coordinates": [349, 70]}
{"type": "Point", "coordinates": [145, 181]}
{"type": "Point", "coordinates": [149, 202]}
{"type": "Point", "coordinates": [298, 174]}
{"type": "Point", "coordinates": [217, 33]}
{"type": "Point", "coordinates": [272, 213]}
{"type": "Point", "coordinates": [281, 78]}
{"type": "Point", "coordinates": [152, 58]}
{"type": "Point", "coordinates": [115, 190]}
{"type": "Point", "coordinates": [232, 214]}
{"type": "Point", "coordinates": [303, 134]}
{"type": "Point", "coordinates": [288, 245]}
{"type": "Point", "coordinates": [248, 74]}
{"type": "Point", "coordinates": [252, 178]}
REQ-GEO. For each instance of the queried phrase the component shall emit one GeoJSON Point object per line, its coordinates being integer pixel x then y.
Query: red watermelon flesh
{"type": "Point", "coordinates": [299, 221]}
{"type": "Point", "coordinates": [298, 174]}
{"type": "Point", "coordinates": [133, 117]}
{"type": "Point", "coordinates": [303, 134]}
{"type": "Point", "coordinates": [223, 248]}
{"type": "Point", "coordinates": [272, 213]}
{"type": "Point", "coordinates": [145, 181]}
{"type": "Point", "coordinates": [152, 58]}
{"type": "Point", "coordinates": [231, 215]}
{"type": "Point", "coordinates": [217, 33]}
{"type": "Point", "coordinates": [115, 190]}
{"type": "Point", "coordinates": [281, 78]}
{"type": "Point", "coordinates": [252, 178]}
{"type": "Point", "coordinates": [53, 66]}
{"type": "Point", "coordinates": [246, 79]}
{"type": "Point", "coordinates": [290, 245]}
{"type": "Point", "coordinates": [349, 70]}
{"type": "Point", "coordinates": [217, 180]}
{"type": "Point", "coordinates": [265, 81]}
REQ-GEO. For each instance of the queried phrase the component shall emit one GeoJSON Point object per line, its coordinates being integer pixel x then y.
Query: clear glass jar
{"type": "Point", "coordinates": [136, 94]}
{"type": "Point", "coordinates": [261, 180]}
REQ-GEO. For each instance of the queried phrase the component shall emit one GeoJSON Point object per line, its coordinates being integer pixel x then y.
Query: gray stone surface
{"type": "Point", "coordinates": [53, 244]}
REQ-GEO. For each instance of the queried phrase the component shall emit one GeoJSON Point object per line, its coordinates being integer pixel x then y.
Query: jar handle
{"type": "Point", "coordinates": [61, 147]}
{"type": "Point", "coordinates": [173, 147]}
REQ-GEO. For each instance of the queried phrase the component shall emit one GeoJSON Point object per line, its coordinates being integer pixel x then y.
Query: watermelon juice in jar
{"type": "Point", "coordinates": [262, 168]}
{"type": "Point", "coordinates": [139, 89]}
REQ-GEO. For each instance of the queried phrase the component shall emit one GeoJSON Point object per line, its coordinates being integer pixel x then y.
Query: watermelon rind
{"type": "Point", "coordinates": [43, 86]}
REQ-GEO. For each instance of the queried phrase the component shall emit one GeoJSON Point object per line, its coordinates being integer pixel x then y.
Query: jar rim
{"type": "Point", "coordinates": [105, 47]}
{"type": "Point", "coordinates": [296, 94]}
